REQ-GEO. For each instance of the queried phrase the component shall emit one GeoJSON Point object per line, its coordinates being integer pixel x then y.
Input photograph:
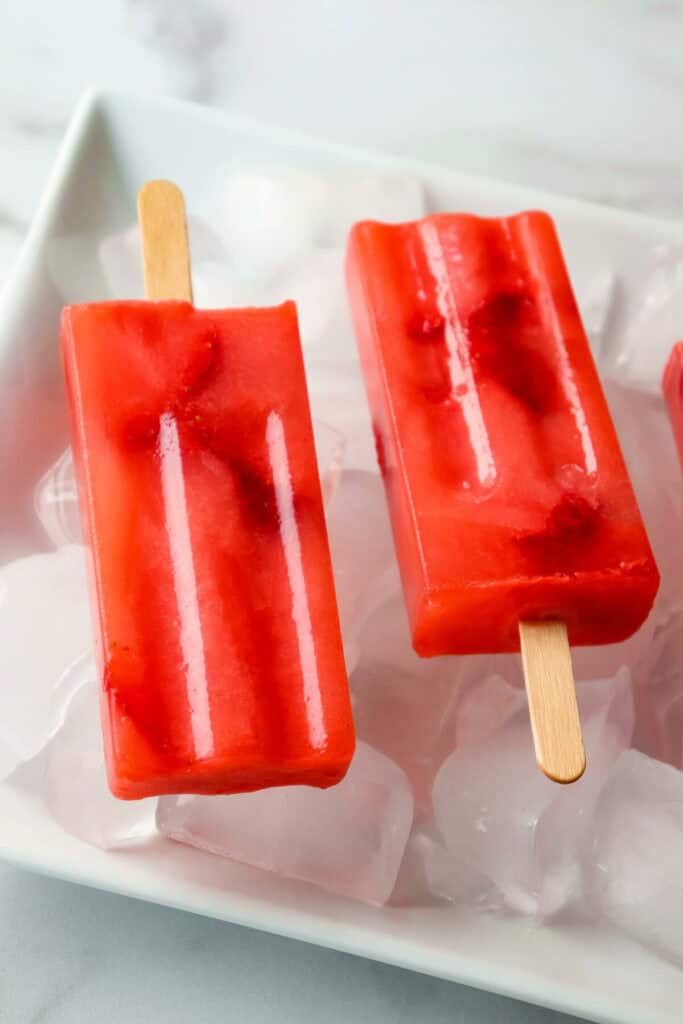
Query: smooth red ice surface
{"type": "Point", "coordinates": [673, 393]}
{"type": "Point", "coordinates": [507, 489]}
{"type": "Point", "coordinates": [216, 620]}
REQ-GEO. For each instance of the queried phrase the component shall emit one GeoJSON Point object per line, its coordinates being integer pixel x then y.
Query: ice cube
{"type": "Point", "coordinates": [271, 218]}
{"type": "Point", "coordinates": [454, 881]}
{"type": "Point", "coordinates": [414, 885]}
{"type": "Point", "coordinates": [606, 659]}
{"type": "Point", "coordinates": [633, 868]}
{"type": "Point", "coordinates": [659, 694]}
{"type": "Point", "coordinates": [329, 447]}
{"type": "Point", "coordinates": [76, 789]}
{"type": "Point", "coordinates": [369, 195]}
{"type": "Point", "coordinates": [564, 829]}
{"type": "Point", "coordinates": [44, 631]}
{"type": "Point", "coordinates": [362, 553]}
{"type": "Point", "coordinates": [56, 502]}
{"type": "Point", "coordinates": [417, 709]}
{"type": "Point", "coordinates": [316, 283]}
{"type": "Point", "coordinates": [337, 396]}
{"type": "Point", "coordinates": [120, 256]}
{"type": "Point", "coordinates": [654, 318]}
{"type": "Point", "coordinates": [595, 296]}
{"type": "Point", "coordinates": [513, 836]}
{"type": "Point", "coordinates": [487, 700]}
{"type": "Point", "coordinates": [348, 839]}
{"type": "Point", "coordinates": [403, 704]}
{"type": "Point", "coordinates": [217, 285]}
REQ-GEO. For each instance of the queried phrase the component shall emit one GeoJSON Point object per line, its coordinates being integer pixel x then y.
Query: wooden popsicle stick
{"type": "Point", "coordinates": [551, 693]}
{"type": "Point", "coordinates": [165, 249]}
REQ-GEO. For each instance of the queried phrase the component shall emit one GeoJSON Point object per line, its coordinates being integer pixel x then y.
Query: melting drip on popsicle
{"type": "Point", "coordinates": [216, 624]}
{"type": "Point", "coordinates": [514, 520]}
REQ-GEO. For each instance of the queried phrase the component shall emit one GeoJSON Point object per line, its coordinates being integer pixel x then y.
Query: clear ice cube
{"type": "Point", "coordinates": [564, 829]}
{"type": "Point", "coordinates": [217, 285]}
{"type": "Point", "coordinates": [76, 790]}
{"type": "Point", "coordinates": [632, 871]}
{"type": "Point", "coordinates": [316, 283]}
{"type": "Point", "coordinates": [514, 838]}
{"type": "Point", "coordinates": [362, 553]}
{"type": "Point", "coordinates": [595, 294]}
{"type": "Point", "coordinates": [370, 195]}
{"type": "Point", "coordinates": [349, 839]}
{"type": "Point", "coordinates": [56, 502]}
{"type": "Point", "coordinates": [272, 217]}
{"type": "Point", "coordinates": [653, 314]}
{"type": "Point", "coordinates": [329, 446]}
{"type": "Point", "coordinates": [337, 396]}
{"type": "Point", "coordinates": [415, 883]}
{"type": "Point", "coordinates": [44, 632]}
{"type": "Point", "coordinates": [659, 693]}
{"type": "Point", "coordinates": [403, 704]}
{"type": "Point", "coordinates": [487, 700]}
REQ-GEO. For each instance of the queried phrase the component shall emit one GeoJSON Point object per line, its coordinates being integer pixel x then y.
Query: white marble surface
{"type": "Point", "coordinates": [581, 97]}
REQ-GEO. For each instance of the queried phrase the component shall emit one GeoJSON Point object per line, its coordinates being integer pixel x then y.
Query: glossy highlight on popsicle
{"type": "Point", "coordinates": [508, 493]}
{"type": "Point", "coordinates": [217, 630]}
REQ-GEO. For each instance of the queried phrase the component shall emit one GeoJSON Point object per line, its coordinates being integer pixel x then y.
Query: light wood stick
{"type": "Point", "coordinates": [165, 249]}
{"type": "Point", "coordinates": [551, 692]}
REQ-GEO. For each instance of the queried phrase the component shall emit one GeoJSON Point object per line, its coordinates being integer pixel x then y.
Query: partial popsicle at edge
{"type": "Point", "coordinates": [216, 625]}
{"type": "Point", "coordinates": [672, 385]}
{"type": "Point", "coordinates": [509, 497]}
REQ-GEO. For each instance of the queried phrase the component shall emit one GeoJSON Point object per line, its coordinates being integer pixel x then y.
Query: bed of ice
{"type": "Point", "coordinates": [443, 803]}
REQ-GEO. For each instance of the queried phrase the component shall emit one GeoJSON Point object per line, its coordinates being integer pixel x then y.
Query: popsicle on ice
{"type": "Point", "coordinates": [512, 511]}
{"type": "Point", "coordinates": [673, 392]}
{"type": "Point", "coordinates": [216, 623]}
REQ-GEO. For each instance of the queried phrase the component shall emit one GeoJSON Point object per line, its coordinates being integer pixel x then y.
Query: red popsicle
{"type": "Point", "coordinates": [216, 622]}
{"type": "Point", "coordinates": [509, 498]}
{"type": "Point", "coordinates": [673, 393]}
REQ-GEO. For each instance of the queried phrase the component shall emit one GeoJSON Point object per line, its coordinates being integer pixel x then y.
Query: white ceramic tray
{"type": "Point", "coordinates": [113, 144]}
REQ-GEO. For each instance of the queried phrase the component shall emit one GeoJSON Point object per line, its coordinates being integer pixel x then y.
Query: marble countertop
{"type": "Point", "coordinates": [582, 98]}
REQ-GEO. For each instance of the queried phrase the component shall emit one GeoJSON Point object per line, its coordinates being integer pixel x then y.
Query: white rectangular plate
{"type": "Point", "coordinates": [114, 143]}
